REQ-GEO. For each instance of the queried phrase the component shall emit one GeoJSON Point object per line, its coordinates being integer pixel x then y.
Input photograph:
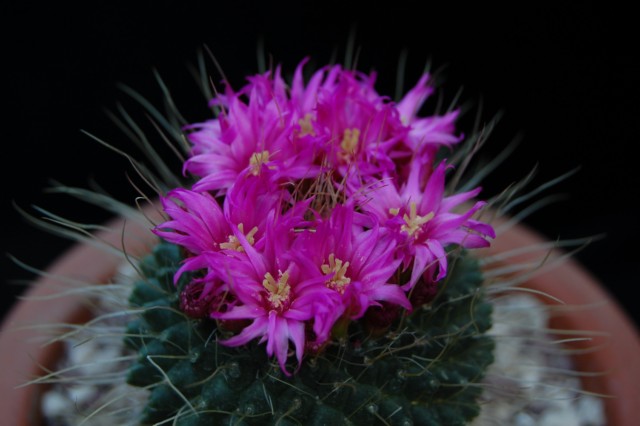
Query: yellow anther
{"type": "Point", "coordinates": [413, 221]}
{"type": "Point", "coordinates": [278, 290]}
{"type": "Point", "coordinates": [339, 281]}
{"type": "Point", "coordinates": [306, 128]}
{"type": "Point", "coordinates": [349, 142]}
{"type": "Point", "coordinates": [234, 244]}
{"type": "Point", "coordinates": [257, 160]}
{"type": "Point", "coordinates": [394, 212]}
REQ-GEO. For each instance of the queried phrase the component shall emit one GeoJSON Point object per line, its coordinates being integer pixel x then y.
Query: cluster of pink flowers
{"type": "Point", "coordinates": [315, 202]}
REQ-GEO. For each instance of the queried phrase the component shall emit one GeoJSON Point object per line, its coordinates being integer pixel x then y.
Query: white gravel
{"type": "Point", "coordinates": [92, 390]}
{"type": "Point", "coordinates": [530, 382]}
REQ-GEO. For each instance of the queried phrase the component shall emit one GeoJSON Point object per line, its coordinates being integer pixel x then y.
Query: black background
{"type": "Point", "coordinates": [566, 78]}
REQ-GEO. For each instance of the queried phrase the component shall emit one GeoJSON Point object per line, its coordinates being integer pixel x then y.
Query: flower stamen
{"type": "Point", "coordinates": [349, 142]}
{"type": "Point", "coordinates": [339, 281]}
{"type": "Point", "coordinates": [413, 221]}
{"type": "Point", "coordinates": [306, 128]}
{"type": "Point", "coordinates": [234, 244]}
{"type": "Point", "coordinates": [278, 290]}
{"type": "Point", "coordinates": [257, 160]}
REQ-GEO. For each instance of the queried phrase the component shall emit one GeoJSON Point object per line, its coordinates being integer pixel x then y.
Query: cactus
{"type": "Point", "coordinates": [317, 271]}
{"type": "Point", "coordinates": [421, 370]}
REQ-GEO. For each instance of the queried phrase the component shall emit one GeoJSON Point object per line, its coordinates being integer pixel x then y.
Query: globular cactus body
{"type": "Point", "coordinates": [422, 370]}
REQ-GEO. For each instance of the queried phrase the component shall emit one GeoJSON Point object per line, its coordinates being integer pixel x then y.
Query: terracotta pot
{"type": "Point", "coordinates": [612, 350]}
{"type": "Point", "coordinates": [618, 357]}
{"type": "Point", "coordinates": [22, 353]}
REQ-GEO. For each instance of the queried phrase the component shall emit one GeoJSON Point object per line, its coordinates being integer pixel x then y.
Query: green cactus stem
{"type": "Point", "coordinates": [423, 369]}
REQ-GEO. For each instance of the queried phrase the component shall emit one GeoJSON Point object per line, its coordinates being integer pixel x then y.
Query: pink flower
{"type": "Point", "coordinates": [354, 262]}
{"type": "Point", "coordinates": [359, 126]}
{"type": "Point", "coordinates": [277, 295]}
{"type": "Point", "coordinates": [421, 218]}
{"type": "Point", "coordinates": [426, 135]}
{"type": "Point", "coordinates": [249, 137]}
{"type": "Point", "coordinates": [433, 131]}
{"type": "Point", "coordinates": [248, 204]}
{"type": "Point", "coordinates": [197, 222]}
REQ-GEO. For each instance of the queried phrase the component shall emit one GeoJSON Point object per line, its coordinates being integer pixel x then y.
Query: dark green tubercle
{"type": "Point", "coordinates": [424, 370]}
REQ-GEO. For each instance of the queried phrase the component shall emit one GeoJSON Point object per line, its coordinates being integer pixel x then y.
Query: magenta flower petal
{"type": "Point", "coordinates": [256, 329]}
{"type": "Point", "coordinates": [389, 293]}
{"type": "Point", "coordinates": [413, 100]}
{"type": "Point", "coordinates": [297, 336]}
{"type": "Point", "coordinates": [434, 191]}
{"type": "Point", "coordinates": [278, 338]}
{"type": "Point", "coordinates": [439, 256]}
